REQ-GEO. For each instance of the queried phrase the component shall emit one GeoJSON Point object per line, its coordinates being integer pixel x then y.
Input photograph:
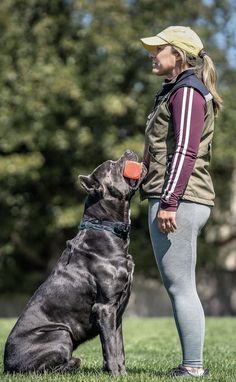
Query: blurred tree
{"type": "Point", "coordinates": [76, 87]}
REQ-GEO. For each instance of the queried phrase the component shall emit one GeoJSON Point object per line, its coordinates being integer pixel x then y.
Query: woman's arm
{"type": "Point", "coordinates": [187, 107]}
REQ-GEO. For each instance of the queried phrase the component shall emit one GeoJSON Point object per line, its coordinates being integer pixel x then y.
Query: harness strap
{"type": "Point", "coordinates": [119, 229]}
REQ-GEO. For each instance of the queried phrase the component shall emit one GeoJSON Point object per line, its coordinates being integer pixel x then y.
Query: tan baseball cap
{"type": "Point", "coordinates": [181, 37]}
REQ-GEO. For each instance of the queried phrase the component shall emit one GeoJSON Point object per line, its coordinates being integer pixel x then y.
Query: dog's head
{"type": "Point", "coordinates": [115, 179]}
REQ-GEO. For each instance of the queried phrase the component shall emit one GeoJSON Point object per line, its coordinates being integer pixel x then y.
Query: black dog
{"type": "Point", "coordinates": [89, 288]}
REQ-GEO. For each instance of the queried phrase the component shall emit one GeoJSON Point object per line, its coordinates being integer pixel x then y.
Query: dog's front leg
{"type": "Point", "coordinates": [105, 316]}
{"type": "Point", "coordinates": [120, 349]}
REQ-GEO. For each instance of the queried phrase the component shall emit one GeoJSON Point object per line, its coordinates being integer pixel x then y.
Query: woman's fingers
{"type": "Point", "coordinates": [166, 221]}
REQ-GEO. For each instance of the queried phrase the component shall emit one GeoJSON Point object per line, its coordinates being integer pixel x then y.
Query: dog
{"type": "Point", "coordinates": [88, 290]}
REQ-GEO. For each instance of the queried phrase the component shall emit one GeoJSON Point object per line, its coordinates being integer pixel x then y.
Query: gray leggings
{"type": "Point", "coordinates": [175, 255]}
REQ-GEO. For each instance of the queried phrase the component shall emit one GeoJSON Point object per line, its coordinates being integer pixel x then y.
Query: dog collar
{"type": "Point", "coordinates": [119, 229]}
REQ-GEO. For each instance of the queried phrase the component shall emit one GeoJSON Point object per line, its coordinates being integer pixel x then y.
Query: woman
{"type": "Point", "coordinates": [178, 187]}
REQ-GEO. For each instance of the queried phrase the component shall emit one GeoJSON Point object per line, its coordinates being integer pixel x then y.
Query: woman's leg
{"type": "Point", "coordinates": [175, 254]}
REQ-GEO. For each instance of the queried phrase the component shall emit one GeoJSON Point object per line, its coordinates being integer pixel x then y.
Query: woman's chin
{"type": "Point", "coordinates": [156, 71]}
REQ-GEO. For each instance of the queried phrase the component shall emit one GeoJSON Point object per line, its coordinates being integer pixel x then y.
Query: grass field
{"type": "Point", "coordinates": [152, 348]}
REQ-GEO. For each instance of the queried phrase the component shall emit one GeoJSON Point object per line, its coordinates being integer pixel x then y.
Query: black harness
{"type": "Point", "coordinates": [119, 229]}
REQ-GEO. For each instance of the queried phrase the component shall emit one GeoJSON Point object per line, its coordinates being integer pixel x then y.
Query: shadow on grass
{"type": "Point", "coordinates": [82, 370]}
{"type": "Point", "coordinates": [89, 371]}
{"type": "Point", "coordinates": [131, 371]}
{"type": "Point", "coordinates": [142, 370]}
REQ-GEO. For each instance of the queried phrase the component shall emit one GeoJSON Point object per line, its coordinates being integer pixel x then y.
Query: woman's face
{"type": "Point", "coordinates": [164, 61]}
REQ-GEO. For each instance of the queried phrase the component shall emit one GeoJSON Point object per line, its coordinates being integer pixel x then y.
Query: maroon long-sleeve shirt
{"type": "Point", "coordinates": [187, 107]}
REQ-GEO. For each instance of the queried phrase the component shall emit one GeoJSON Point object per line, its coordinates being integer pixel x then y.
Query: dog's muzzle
{"type": "Point", "coordinates": [134, 172]}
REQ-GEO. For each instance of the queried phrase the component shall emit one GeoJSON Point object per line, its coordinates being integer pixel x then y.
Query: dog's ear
{"type": "Point", "coordinates": [90, 185]}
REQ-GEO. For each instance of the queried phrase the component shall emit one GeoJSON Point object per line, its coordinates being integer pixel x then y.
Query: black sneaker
{"type": "Point", "coordinates": [182, 371]}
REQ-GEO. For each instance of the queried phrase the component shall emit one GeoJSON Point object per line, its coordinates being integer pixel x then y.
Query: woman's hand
{"type": "Point", "coordinates": [166, 221]}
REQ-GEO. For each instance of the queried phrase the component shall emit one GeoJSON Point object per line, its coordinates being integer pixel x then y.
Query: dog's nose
{"type": "Point", "coordinates": [129, 154]}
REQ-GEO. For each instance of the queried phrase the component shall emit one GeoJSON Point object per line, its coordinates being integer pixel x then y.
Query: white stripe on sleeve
{"type": "Point", "coordinates": [175, 169]}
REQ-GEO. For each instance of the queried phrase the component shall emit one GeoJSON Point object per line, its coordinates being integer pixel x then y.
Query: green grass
{"type": "Point", "coordinates": [152, 348]}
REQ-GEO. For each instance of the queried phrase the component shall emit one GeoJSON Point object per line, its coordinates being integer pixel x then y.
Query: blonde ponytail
{"type": "Point", "coordinates": [205, 71]}
{"type": "Point", "coordinates": [209, 78]}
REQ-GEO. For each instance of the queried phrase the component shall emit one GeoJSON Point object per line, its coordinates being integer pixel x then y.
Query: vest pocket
{"type": "Point", "coordinates": [162, 158]}
{"type": "Point", "coordinates": [159, 158]}
{"type": "Point", "coordinates": [161, 162]}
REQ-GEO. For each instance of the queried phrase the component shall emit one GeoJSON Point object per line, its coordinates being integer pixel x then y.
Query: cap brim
{"type": "Point", "coordinates": [150, 43]}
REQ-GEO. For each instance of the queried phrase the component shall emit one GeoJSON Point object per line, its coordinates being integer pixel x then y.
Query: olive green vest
{"type": "Point", "coordinates": [159, 150]}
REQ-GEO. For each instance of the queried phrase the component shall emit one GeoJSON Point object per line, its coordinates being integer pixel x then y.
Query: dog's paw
{"type": "Point", "coordinates": [114, 372]}
{"type": "Point", "coordinates": [123, 371]}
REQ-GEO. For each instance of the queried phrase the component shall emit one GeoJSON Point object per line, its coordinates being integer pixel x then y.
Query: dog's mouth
{"type": "Point", "coordinates": [134, 173]}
